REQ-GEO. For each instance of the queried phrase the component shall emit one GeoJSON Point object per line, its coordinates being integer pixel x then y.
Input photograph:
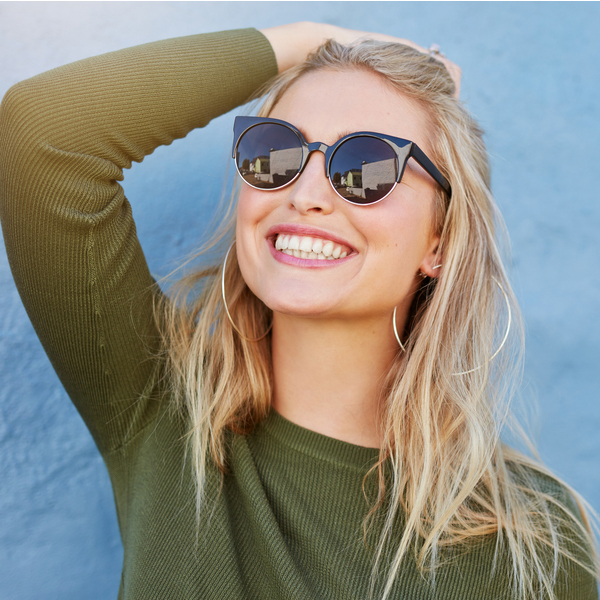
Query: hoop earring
{"type": "Point", "coordinates": [493, 355]}
{"type": "Point", "coordinates": [227, 308]}
{"type": "Point", "coordinates": [396, 331]}
{"type": "Point", "coordinates": [503, 339]}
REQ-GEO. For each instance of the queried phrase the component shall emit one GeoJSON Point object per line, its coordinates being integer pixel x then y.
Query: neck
{"type": "Point", "coordinates": [329, 375]}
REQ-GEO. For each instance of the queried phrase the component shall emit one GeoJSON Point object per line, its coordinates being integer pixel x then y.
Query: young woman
{"type": "Point", "coordinates": [323, 420]}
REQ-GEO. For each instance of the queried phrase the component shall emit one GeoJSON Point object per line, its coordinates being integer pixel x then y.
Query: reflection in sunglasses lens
{"type": "Point", "coordinates": [364, 169]}
{"type": "Point", "coordinates": [269, 156]}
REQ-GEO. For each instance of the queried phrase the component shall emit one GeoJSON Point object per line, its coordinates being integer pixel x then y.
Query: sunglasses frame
{"type": "Point", "coordinates": [404, 149]}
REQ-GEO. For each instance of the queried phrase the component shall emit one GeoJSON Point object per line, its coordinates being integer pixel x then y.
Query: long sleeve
{"type": "Point", "coordinates": [65, 137]}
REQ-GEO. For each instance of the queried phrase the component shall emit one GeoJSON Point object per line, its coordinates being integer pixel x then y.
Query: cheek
{"type": "Point", "coordinates": [245, 225]}
{"type": "Point", "coordinates": [399, 239]}
{"type": "Point", "coordinates": [253, 210]}
{"type": "Point", "coordinates": [246, 210]}
{"type": "Point", "coordinates": [402, 231]}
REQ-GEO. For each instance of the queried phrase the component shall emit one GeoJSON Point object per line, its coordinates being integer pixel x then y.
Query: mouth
{"type": "Point", "coordinates": [310, 247]}
{"type": "Point", "coordinates": [304, 245]}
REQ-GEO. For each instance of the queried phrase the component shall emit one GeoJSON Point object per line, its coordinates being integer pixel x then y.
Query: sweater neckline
{"type": "Point", "coordinates": [317, 445]}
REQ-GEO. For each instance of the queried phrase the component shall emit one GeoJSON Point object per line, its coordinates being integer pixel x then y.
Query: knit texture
{"type": "Point", "coordinates": [287, 522]}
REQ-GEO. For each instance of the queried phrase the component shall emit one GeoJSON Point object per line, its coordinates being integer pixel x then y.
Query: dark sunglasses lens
{"type": "Point", "coordinates": [269, 156]}
{"type": "Point", "coordinates": [364, 169]}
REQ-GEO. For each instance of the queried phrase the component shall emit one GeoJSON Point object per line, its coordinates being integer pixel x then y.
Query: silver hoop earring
{"type": "Point", "coordinates": [493, 355]}
{"type": "Point", "coordinates": [227, 308]}
{"type": "Point", "coordinates": [503, 339]}
{"type": "Point", "coordinates": [396, 331]}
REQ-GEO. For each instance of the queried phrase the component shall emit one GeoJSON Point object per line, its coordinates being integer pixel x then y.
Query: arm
{"type": "Point", "coordinates": [65, 138]}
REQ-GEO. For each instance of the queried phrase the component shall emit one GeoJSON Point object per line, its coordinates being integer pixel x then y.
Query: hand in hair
{"type": "Point", "coordinates": [293, 42]}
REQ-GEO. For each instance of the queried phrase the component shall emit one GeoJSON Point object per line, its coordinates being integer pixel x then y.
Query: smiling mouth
{"type": "Point", "coordinates": [310, 247]}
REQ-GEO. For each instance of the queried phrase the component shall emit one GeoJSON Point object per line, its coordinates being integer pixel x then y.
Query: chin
{"type": "Point", "coordinates": [298, 303]}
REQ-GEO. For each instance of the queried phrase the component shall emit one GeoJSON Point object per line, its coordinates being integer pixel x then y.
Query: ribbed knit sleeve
{"type": "Point", "coordinates": [65, 137]}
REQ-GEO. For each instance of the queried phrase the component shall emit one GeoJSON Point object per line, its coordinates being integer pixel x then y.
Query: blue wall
{"type": "Point", "coordinates": [532, 77]}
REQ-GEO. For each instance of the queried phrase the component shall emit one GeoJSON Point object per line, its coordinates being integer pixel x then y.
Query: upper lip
{"type": "Point", "coordinates": [307, 230]}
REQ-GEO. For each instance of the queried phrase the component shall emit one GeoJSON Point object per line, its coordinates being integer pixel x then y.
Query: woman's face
{"type": "Point", "coordinates": [387, 243]}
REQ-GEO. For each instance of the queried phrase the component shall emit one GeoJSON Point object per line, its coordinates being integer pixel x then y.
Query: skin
{"type": "Point", "coordinates": [332, 336]}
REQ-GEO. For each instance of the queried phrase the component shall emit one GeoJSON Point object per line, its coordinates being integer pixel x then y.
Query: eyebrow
{"type": "Point", "coordinates": [345, 133]}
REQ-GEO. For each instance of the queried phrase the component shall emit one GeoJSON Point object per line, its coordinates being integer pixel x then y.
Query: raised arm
{"type": "Point", "coordinates": [65, 138]}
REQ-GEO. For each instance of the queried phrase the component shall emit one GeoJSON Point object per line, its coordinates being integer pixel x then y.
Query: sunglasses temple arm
{"type": "Point", "coordinates": [422, 159]}
{"type": "Point", "coordinates": [236, 137]}
{"type": "Point", "coordinates": [240, 125]}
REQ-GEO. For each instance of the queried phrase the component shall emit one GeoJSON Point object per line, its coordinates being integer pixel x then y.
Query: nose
{"type": "Point", "coordinates": [312, 192]}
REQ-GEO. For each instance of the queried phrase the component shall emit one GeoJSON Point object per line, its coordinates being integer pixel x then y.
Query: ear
{"type": "Point", "coordinates": [432, 262]}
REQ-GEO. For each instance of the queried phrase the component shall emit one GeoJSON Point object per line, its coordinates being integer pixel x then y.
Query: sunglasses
{"type": "Point", "coordinates": [362, 167]}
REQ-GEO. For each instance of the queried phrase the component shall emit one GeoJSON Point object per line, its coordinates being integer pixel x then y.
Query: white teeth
{"type": "Point", "coordinates": [306, 244]}
{"type": "Point", "coordinates": [327, 248]}
{"type": "Point", "coordinates": [317, 246]}
{"type": "Point", "coordinates": [309, 248]}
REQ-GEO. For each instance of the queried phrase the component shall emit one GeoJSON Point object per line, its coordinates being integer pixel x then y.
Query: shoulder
{"type": "Point", "coordinates": [565, 519]}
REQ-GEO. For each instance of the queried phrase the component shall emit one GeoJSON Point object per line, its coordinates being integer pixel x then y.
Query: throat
{"type": "Point", "coordinates": [322, 381]}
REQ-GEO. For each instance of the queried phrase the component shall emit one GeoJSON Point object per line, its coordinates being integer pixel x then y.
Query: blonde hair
{"type": "Point", "coordinates": [449, 472]}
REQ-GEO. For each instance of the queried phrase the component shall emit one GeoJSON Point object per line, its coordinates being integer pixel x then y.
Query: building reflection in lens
{"type": "Point", "coordinates": [368, 183]}
{"type": "Point", "coordinates": [269, 156]}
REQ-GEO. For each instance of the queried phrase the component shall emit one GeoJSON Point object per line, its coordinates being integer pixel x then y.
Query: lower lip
{"type": "Point", "coordinates": [310, 263]}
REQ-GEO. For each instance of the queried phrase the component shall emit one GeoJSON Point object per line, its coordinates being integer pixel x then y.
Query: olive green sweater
{"type": "Point", "coordinates": [288, 521]}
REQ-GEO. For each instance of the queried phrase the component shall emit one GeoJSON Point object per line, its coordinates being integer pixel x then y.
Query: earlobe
{"type": "Point", "coordinates": [428, 270]}
{"type": "Point", "coordinates": [432, 263]}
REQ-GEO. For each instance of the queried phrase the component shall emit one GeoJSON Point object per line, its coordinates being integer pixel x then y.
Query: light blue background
{"type": "Point", "coordinates": [531, 76]}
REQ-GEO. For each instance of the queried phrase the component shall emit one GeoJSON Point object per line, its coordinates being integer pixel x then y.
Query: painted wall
{"type": "Point", "coordinates": [531, 75]}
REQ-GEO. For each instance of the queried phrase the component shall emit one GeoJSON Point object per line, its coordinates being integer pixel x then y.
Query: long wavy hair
{"type": "Point", "coordinates": [444, 469]}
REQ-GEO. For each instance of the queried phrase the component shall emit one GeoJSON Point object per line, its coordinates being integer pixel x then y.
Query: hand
{"type": "Point", "coordinates": [292, 43]}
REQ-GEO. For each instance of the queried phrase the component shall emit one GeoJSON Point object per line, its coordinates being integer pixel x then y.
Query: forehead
{"type": "Point", "coordinates": [326, 105]}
